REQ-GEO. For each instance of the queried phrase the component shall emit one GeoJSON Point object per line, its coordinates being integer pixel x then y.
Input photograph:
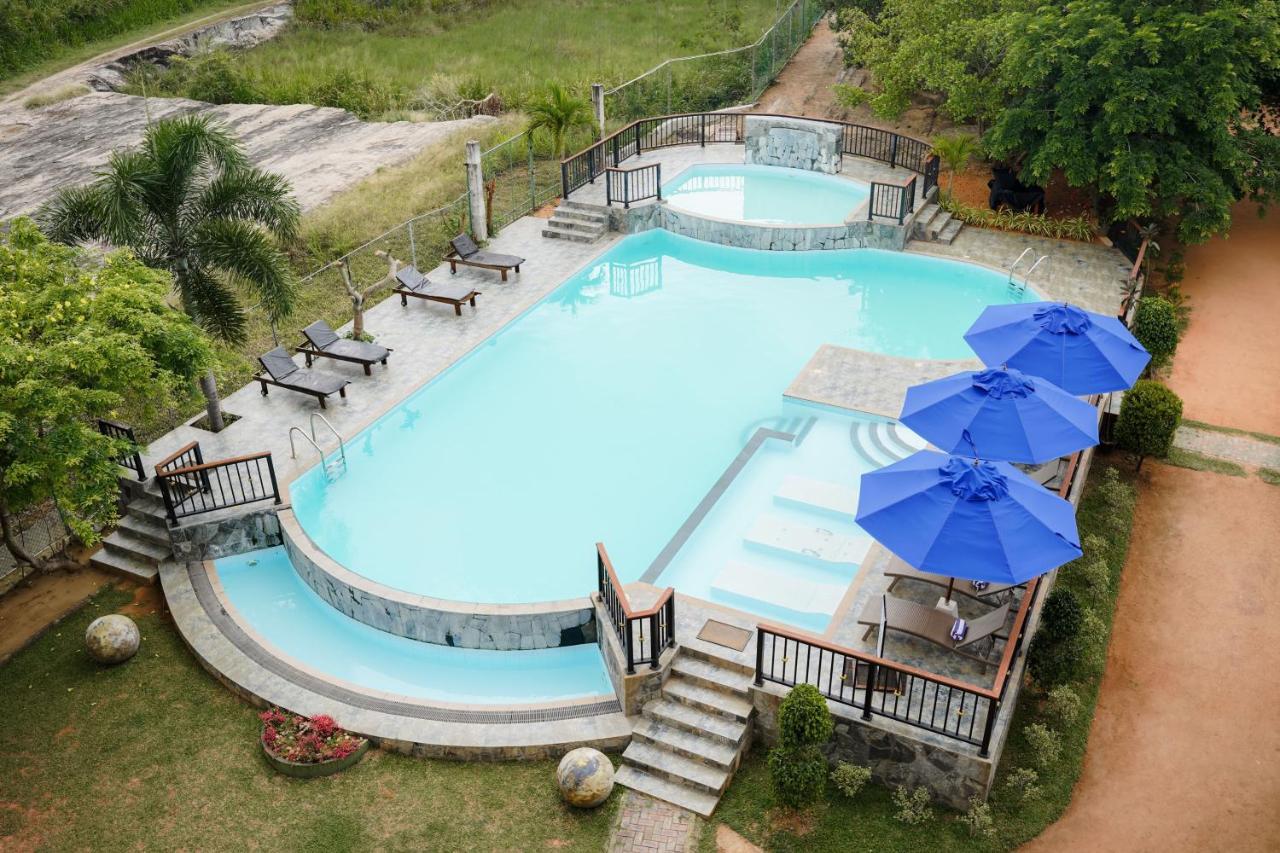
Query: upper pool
{"type": "Point", "coordinates": [769, 195]}
{"type": "Point", "coordinates": [608, 409]}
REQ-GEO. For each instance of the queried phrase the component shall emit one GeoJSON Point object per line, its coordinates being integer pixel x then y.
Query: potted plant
{"type": "Point", "coordinates": [308, 747]}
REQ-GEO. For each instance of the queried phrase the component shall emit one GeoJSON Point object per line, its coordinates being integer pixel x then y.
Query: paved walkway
{"type": "Point", "coordinates": [1234, 447]}
{"type": "Point", "coordinates": [1184, 747]}
{"type": "Point", "coordinates": [650, 825]}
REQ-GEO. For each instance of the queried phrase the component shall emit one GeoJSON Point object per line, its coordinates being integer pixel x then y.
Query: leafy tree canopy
{"type": "Point", "coordinates": [79, 341]}
{"type": "Point", "coordinates": [1153, 103]}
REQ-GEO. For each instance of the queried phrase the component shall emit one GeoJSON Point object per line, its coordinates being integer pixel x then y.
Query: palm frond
{"type": "Point", "coordinates": [252, 194]}
{"type": "Point", "coordinates": [212, 304]}
{"type": "Point", "coordinates": [71, 216]}
{"type": "Point", "coordinates": [248, 254]}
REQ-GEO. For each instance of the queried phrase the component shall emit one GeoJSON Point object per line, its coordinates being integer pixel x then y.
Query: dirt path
{"type": "Point", "coordinates": [29, 610]}
{"type": "Point", "coordinates": [1184, 754]}
{"type": "Point", "coordinates": [72, 74]}
{"type": "Point", "coordinates": [1225, 367]}
{"type": "Point", "coordinates": [804, 86]}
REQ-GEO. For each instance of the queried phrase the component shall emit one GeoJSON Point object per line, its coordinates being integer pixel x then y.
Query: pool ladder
{"type": "Point", "coordinates": [332, 468]}
{"type": "Point", "coordinates": [1019, 288]}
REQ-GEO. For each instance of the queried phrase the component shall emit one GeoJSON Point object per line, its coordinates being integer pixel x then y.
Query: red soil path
{"type": "Point", "coordinates": [1225, 370]}
{"type": "Point", "coordinates": [1184, 754]}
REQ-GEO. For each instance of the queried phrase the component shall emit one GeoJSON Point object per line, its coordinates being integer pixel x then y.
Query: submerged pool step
{"type": "Point", "coordinates": [777, 588]}
{"type": "Point", "coordinates": [838, 499]}
{"type": "Point", "coordinates": [882, 443]}
{"type": "Point", "coordinates": [799, 540]}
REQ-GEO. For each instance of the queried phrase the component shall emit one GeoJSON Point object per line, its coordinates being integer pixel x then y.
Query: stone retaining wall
{"type": "Point", "coordinates": [793, 143]}
{"type": "Point", "coordinates": [633, 690]}
{"type": "Point", "coordinates": [214, 537]}
{"type": "Point", "coordinates": [855, 234]}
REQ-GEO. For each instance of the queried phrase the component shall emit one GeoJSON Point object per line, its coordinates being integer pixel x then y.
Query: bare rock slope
{"type": "Point", "coordinates": [322, 150]}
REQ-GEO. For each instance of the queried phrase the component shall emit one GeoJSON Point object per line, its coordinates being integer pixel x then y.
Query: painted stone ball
{"type": "Point", "coordinates": [112, 638]}
{"type": "Point", "coordinates": [585, 777]}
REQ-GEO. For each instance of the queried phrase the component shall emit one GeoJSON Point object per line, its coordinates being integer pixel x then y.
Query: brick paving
{"type": "Point", "coordinates": [652, 826]}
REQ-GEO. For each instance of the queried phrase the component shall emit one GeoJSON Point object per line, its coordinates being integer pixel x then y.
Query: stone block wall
{"type": "Point", "coordinates": [633, 690]}
{"type": "Point", "coordinates": [212, 538]}
{"type": "Point", "coordinates": [793, 143]}
{"type": "Point", "coordinates": [896, 754]}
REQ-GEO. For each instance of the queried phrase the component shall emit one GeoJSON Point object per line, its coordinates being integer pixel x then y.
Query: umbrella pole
{"type": "Point", "coordinates": [951, 582]}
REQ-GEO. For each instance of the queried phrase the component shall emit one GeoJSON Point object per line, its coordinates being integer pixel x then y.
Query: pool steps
{"type": "Point", "coordinates": [816, 544]}
{"type": "Point", "coordinates": [935, 225]}
{"type": "Point", "coordinates": [838, 499]}
{"type": "Point", "coordinates": [140, 542]}
{"type": "Point", "coordinates": [688, 743]}
{"type": "Point", "coordinates": [581, 223]}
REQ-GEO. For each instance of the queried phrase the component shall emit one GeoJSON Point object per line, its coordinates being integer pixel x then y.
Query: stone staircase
{"type": "Point", "coordinates": [689, 741]}
{"type": "Point", "coordinates": [141, 540]}
{"type": "Point", "coordinates": [935, 225]}
{"type": "Point", "coordinates": [582, 223]}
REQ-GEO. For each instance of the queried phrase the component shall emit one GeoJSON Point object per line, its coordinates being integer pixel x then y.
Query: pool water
{"type": "Point", "coordinates": [769, 195]}
{"type": "Point", "coordinates": [280, 607]}
{"type": "Point", "coordinates": [608, 409]}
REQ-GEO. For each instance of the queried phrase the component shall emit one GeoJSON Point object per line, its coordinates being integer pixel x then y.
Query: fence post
{"type": "Point", "coordinates": [654, 651]}
{"type": "Point", "coordinates": [631, 647]}
{"type": "Point", "coordinates": [597, 106]}
{"type": "Point", "coordinates": [275, 488]}
{"type": "Point", "coordinates": [871, 685]}
{"type": "Point", "coordinates": [759, 658]}
{"type": "Point", "coordinates": [637, 127]}
{"type": "Point", "coordinates": [413, 246]}
{"type": "Point", "coordinates": [475, 192]}
{"type": "Point", "coordinates": [702, 130]}
{"type": "Point", "coordinates": [533, 177]}
{"type": "Point", "coordinates": [993, 711]}
{"type": "Point", "coordinates": [893, 151]}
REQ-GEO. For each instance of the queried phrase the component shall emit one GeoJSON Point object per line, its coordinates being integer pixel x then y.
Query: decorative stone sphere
{"type": "Point", "coordinates": [585, 777]}
{"type": "Point", "coordinates": [112, 638]}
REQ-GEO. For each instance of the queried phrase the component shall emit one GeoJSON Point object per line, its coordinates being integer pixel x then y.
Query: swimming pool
{"type": "Point", "coordinates": [769, 195]}
{"type": "Point", "coordinates": [606, 412]}
{"type": "Point", "coordinates": [271, 598]}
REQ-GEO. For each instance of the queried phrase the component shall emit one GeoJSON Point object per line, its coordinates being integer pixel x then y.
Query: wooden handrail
{"type": "Point", "coordinates": [217, 463]}
{"type": "Point", "coordinates": [622, 593]}
{"type": "Point", "coordinates": [187, 448]}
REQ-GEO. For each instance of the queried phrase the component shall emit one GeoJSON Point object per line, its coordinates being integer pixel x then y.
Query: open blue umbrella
{"type": "Point", "coordinates": [1077, 350]}
{"type": "Point", "coordinates": [983, 521]}
{"type": "Point", "coordinates": [1000, 413]}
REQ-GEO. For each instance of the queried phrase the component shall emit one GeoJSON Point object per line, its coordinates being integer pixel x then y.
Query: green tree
{"type": "Point", "coordinates": [78, 341]}
{"type": "Point", "coordinates": [1149, 416]}
{"type": "Point", "coordinates": [1155, 104]}
{"type": "Point", "coordinates": [796, 765]}
{"type": "Point", "coordinates": [1155, 325]}
{"type": "Point", "coordinates": [955, 150]}
{"type": "Point", "coordinates": [559, 114]}
{"type": "Point", "coordinates": [186, 200]}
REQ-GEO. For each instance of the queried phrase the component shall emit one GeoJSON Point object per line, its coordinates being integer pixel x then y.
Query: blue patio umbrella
{"type": "Point", "coordinates": [1077, 350]}
{"type": "Point", "coordinates": [965, 518]}
{"type": "Point", "coordinates": [1000, 413]}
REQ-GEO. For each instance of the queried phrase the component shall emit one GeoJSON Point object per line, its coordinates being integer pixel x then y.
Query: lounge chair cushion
{"type": "Point", "coordinates": [415, 282]}
{"type": "Point", "coordinates": [318, 381]}
{"type": "Point", "coordinates": [468, 251]}
{"type": "Point", "coordinates": [410, 278]}
{"type": "Point", "coordinates": [279, 364]}
{"type": "Point", "coordinates": [464, 245]}
{"type": "Point", "coordinates": [359, 350]}
{"type": "Point", "coordinates": [320, 334]}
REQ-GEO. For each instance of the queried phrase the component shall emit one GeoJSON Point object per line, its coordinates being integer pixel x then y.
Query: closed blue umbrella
{"type": "Point", "coordinates": [1077, 350]}
{"type": "Point", "coordinates": [983, 521]}
{"type": "Point", "coordinates": [1001, 413]}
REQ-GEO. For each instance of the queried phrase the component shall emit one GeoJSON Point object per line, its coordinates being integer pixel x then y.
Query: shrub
{"type": "Point", "coordinates": [1120, 498]}
{"type": "Point", "coordinates": [849, 779]}
{"type": "Point", "coordinates": [803, 719]}
{"type": "Point", "coordinates": [1054, 653]}
{"type": "Point", "coordinates": [1063, 706]}
{"type": "Point", "coordinates": [913, 805]}
{"type": "Point", "coordinates": [1096, 574]}
{"type": "Point", "coordinates": [1149, 416]}
{"type": "Point", "coordinates": [1060, 619]}
{"type": "Point", "coordinates": [304, 740]}
{"type": "Point", "coordinates": [850, 96]}
{"type": "Point", "coordinates": [1045, 745]}
{"type": "Point", "coordinates": [1022, 782]}
{"type": "Point", "coordinates": [1073, 228]}
{"type": "Point", "coordinates": [1156, 327]}
{"type": "Point", "coordinates": [799, 775]}
{"type": "Point", "coordinates": [1094, 634]}
{"type": "Point", "coordinates": [978, 818]}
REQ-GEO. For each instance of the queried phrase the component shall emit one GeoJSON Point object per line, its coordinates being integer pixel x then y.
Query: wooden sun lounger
{"type": "Point", "coordinates": [1047, 474]}
{"type": "Point", "coordinates": [415, 284]}
{"type": "Point", "coordinates": [466, 252]}
{"type": "Point", "coordinates": [279, 369]}
{"type": "Point", "coordinates": [900, 571]}
{"type": "Point", "coordinates": [323, 342]}
{"type": "Point", "coordinates": [933, 625]}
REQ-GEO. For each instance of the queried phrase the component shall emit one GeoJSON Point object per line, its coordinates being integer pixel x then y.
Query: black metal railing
{"type": "Point", "coordinates": [131, 459]}
{"type": "Point", "coordinates": [643, 634]}
{"type": "Point", "coordinates": [628, 185]}
{"type": "Point", "coordinates": [892, 201]}
{"type": "Point", "coordinates": [930, 174]}
{"type": "Point", "coordinates": [190, 486]}
{"type": "Point", "coordinates": [647, 134]}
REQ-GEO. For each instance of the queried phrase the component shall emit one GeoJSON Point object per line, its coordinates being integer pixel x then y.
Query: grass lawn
{"type": "Point", "coordinates": [155, 754]}
{"type": "Point", "coordinates": [1202, 462]}
{"type": "Point", "coordinates": [867, 822]}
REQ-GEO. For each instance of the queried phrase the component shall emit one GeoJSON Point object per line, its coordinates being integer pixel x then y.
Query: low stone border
{"type": "Point", "coordinates": [315, 770]}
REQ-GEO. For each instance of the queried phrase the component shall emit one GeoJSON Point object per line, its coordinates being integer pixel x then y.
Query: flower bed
{"type": "Point", "coordinates": [1036, 224]}
{"type": "Point", "coordinates": [308, 747]}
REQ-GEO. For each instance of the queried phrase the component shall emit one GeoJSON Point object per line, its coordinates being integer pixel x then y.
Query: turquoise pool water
{"type": "Point", "coordinates": [269, 595]}
{"type": "Point", "coordinates": [607, 411]}
{"type": "Point", "coordinates": [769, 195]}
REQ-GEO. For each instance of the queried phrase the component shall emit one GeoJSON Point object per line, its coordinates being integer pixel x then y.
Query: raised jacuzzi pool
{"type": "Point", "coordinates": [765, 195]}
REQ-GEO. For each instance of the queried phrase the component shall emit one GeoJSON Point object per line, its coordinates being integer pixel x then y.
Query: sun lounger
{"type": "Point", "coordinates": [900, 571]}
{"type": "Point", "coordinates": [933, 625]}
{"type": "Point", "coordinates": [410, 282]}
{"type": "Point", "coordinates": [466, 252]}
{"type": "Point", "coordinates": [279, 369]}
{"type": "Point", "coordinates": [323, 342]}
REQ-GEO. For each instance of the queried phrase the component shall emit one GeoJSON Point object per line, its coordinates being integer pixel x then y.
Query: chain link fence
{"type": "Point", "coordinates": [713, 81]}
{"type": "Point", "coordinates": [520, 174]}
{"type": "Point", "coordinates": [41, 533]}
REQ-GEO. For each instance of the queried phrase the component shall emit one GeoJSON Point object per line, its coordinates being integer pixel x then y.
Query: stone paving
{"type": "Point", "coordinates": [652, 826]}
{"type": "Point", "coordinates": [1234, 447]}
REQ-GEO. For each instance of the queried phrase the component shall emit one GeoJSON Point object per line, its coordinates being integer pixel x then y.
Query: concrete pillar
{"type": "Point", "coordinates": [597, 107]}
{"type": "Point", "coordinates": [475, 192]}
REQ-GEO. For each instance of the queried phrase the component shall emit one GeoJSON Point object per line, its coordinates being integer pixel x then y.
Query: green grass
{"type": "Point", "coordinates": [154, 754]}
{"type": "Point", "coordinates": [867, 822]}
{"type": "Point", "coordinates": [1269, 475]}
{"type": "Point", "coordinates": [65, 41]}
{"type": "Point", "coordinates": [1200, 462]}
{"type": "Point", "coordinates": [1260, 436]}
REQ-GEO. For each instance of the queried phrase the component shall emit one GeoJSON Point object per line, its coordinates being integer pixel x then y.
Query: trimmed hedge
{"type": "Point", "coordinates": [1156, 328]}
{"type": "Point", "coordinates": [1149, 416]}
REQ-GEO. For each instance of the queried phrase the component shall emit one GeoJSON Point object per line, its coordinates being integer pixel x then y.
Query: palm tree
{"type": "Point", "coordinates": [1149, 233]}
{"type": "Point", "coordinates": [955, 151]}
{"type": "Point", "coordinates": [187, 200]}
{"type": "Point", "coordinates": [558, 113]}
